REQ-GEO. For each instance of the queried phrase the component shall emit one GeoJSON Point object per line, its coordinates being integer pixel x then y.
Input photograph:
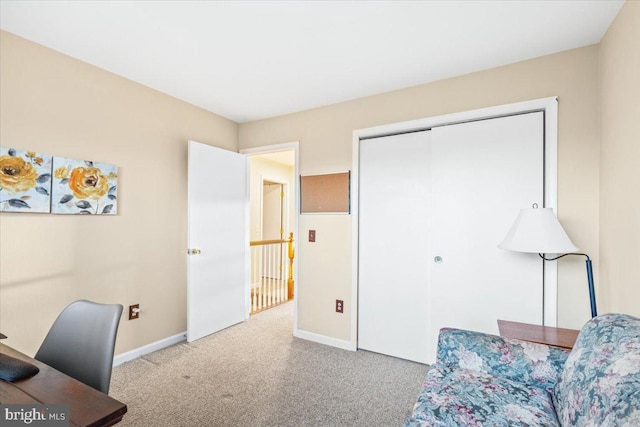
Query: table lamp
{"type": "Point", "coordinates": [537, 230]}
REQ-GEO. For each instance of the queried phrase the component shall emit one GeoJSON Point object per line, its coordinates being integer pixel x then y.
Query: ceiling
{"type": "Point", "coordinates": [249, 60]}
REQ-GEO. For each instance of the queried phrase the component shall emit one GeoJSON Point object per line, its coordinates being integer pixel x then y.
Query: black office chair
{"type": "Point", "coordinates": [81, 342]}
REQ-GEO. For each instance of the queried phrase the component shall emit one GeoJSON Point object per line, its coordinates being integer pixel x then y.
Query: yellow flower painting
{"type": "Point", "coordinates": [25, 181]}
{"type": "Point", "coordinates": [84, 187]}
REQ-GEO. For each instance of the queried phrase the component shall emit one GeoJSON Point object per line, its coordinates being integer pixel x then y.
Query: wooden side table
{"type": "Point", "coordinates": [557, 337]}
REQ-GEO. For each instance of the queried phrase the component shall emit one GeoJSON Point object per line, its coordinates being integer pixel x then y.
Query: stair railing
{"type": "Point", "coordinates": [271, 274]}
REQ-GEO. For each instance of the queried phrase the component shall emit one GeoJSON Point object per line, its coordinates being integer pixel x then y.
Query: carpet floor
{"type": "Point", "coordinates": [258, 374]}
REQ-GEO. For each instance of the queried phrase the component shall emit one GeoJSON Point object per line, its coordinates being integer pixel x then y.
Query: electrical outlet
{"type": "Point", "coordinates": [134, 311]}
{"type": "Point", "coordinates": [312, 235]}
{"type": "Point", "coordinates": [339, 306]}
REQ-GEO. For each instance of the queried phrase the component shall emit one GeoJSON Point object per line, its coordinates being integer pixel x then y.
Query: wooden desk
{"type": "Point", "coordinates": [87, 406]}
{"type": "Point", "coordinates": [557, 337]}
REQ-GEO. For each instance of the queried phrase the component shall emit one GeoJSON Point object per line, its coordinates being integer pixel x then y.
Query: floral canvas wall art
{"type": "Point", "coordinates": [25, 181]}
{"type": "Point", "coordinates": [83, 187]}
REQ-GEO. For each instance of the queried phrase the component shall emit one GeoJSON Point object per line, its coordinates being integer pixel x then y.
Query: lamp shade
{"type": "Point", "coordinates": [537, 230]}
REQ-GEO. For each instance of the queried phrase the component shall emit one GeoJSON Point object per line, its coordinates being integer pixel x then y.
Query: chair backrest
{"type": "Point", "coordinates": [600, 382]}
{"type": "Point", "coordinates": [81, 342]}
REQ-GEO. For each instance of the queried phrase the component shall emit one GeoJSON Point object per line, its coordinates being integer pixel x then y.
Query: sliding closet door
{"type": "Point", "coordinates": [394, 210]}
{"type": "Point", "coordinates": [483, 172]}
{"type": "Point", "coordinates": [433, 207]}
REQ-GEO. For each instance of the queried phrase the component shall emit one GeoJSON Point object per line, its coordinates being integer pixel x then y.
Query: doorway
{"type": "Point", "coordinates": [272, 225]}
{"type": "Point", "coordinates": [219, 234]}
{"type": "Point", "coordinates": [273, 209]}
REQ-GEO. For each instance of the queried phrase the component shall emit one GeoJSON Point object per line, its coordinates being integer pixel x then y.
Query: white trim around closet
{"type": "Point", "coordinates": [550, 108]}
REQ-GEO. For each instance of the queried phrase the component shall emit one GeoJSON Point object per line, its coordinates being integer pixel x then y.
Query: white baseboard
{"type": "Point", "coordinates": [175, 339]}
{"type": "Point", "coordinates": [323, 339]}
{"type": "Point", "coordinates": [149, 348]}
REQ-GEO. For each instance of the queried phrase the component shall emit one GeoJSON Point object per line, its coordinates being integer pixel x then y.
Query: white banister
{"type": "Point", "coordinates": [271, 275]}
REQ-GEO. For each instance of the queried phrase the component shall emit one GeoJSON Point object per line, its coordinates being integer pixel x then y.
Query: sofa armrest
{"type": "Point", "coordinates": [535, 364]}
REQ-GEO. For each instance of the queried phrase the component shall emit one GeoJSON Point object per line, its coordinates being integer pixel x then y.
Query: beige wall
{"type": "Point", "coordinates": [620, 162]}
{"type": "Point", "coordinates": [57, 105]}
{"type": "Point", "coordinates": [325, 136]}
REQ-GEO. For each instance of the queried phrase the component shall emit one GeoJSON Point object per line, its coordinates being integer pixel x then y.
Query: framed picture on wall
{"type": "Point", "coordinates": [84, 187]}
{"type": "Point", "coordinates": [25, 181]}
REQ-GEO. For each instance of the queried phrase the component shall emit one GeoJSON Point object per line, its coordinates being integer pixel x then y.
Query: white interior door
{"type": "Point", "coordinates": [394, 206]}
{"type": "Point", "coordinates": [484, 172]}
{"type": "Point", "coordinates": [218, 276]}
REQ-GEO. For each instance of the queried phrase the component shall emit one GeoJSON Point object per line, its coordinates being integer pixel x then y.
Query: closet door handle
{"type": "Point", "coordinates": [437, 259]}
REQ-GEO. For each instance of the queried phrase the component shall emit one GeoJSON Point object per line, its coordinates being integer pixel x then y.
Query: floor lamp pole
{"type": "Point", "coordinates": [592, 292]}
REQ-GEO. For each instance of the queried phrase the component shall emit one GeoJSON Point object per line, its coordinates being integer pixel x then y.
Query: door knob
{"type": "Point", "coordinates": [193, 251]}
{"type": "Point", "coordinates": [437, 259]}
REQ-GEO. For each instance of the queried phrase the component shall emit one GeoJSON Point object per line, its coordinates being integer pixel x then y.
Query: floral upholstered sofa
{"type": "Point", "coordinates": [485, 380]}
